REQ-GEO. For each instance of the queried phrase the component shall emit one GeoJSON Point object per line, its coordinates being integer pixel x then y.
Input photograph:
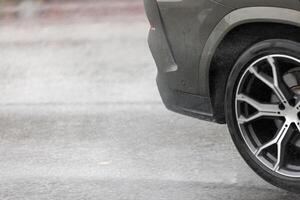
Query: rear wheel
{"type": "Point", "coordinates": [263, 110]}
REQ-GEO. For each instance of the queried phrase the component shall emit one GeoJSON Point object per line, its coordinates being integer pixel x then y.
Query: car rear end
{"type": "Point", "coordinates": [178, 33]}
{"type": "Point", "coordinates": [161, 51]}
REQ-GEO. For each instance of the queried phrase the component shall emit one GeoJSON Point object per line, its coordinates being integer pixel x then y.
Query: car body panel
{"type": "Point", "coordinates": [170, 79]}
{"type": "Point", "coordinates": [236, 4]}
{"type": "Point", "coordinates": [158, 41]}
{"type": "Point", "coordinates": [185, 35]}
{"type": "Point", "coordinates": [187, 25]}
{"type": "Point", "coordinates": [234, 19]}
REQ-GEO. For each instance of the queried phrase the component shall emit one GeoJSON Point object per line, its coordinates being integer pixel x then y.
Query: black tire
{"type": "Point", "coordinates": [274, 46]}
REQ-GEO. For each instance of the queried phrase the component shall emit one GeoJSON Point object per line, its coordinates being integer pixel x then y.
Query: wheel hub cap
{"type": "Point", "coordinates": [291, 114]}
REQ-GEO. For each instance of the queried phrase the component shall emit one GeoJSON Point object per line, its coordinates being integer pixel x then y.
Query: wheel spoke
{"type": "Point", "coordinates": [262, 109]}
{"type": "Point", "coordinates": [281, 139]}
{"type": "Point", "coordinates": [281, 149]}
{"type": "Point", "coordinates": [263, 77]}
{"type": "Point", "coordinates": [278, 80]}
{"type": "Point", "coordinates": [275, 73]}
{"type": "Point", "coordinates": [273, 141]}
{"type": "Point", "coordinates": [276, 83]}
{"type": "Point", "coordinates": [242, 119]}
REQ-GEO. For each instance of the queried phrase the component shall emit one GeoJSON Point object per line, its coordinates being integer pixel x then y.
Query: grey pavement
{"type": "Point", "coordinates": [81, 118]}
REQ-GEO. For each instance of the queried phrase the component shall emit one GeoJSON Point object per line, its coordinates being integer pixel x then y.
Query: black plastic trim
{"type": "Point", "coordinates": [184, 103]}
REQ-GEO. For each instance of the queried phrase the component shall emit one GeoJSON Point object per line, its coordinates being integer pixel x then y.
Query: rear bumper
{"type": "Point", "coordinates": [184, 103]}
{"type": "Point", "coordinates": [177, 101]}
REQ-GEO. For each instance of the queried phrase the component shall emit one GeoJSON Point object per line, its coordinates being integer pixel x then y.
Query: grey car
{"type": "Point", "coordinates": [235, 62]}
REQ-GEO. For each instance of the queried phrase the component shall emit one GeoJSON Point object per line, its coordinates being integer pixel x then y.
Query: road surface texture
{"type": "Point", "coordinates": [81, 117]}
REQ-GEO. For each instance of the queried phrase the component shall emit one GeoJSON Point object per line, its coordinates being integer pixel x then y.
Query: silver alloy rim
{"type": "Point", "coordinates": [279, 114]}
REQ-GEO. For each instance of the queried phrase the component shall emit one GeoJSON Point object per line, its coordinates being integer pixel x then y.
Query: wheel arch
{"type": "Point", "coordinates": [236, 32]}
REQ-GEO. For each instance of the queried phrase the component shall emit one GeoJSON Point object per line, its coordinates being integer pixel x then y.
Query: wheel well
{"type": "Point", "coordinates": [232, 46]}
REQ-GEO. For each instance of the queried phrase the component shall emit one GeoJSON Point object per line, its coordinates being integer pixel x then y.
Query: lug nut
{"type": "Point", "coordinates": [281, 106]}
{"type": "Point", "coordinates": [292, 102]}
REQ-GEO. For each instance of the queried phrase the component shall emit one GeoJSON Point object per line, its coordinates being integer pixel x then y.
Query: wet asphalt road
{"type": "Point", "coordinates": [81, 118]}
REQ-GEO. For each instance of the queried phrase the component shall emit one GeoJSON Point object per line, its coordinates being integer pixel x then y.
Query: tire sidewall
{"type": "Point", "coordinates": [274, 46]}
